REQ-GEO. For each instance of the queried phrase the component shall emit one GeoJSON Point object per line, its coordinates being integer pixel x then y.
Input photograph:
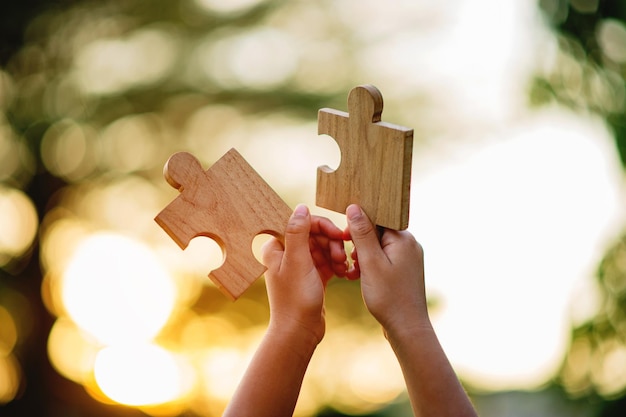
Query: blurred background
{"type": "Point", "coordinates": [517, 196]}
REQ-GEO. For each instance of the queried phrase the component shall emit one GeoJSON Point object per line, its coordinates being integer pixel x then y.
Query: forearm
{"type": "Point", "coordinates": [271, 384]}
{"type": "Point", "coordinates": [433, 387]}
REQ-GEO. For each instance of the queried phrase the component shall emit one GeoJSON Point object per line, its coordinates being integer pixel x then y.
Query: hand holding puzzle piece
{"type": "Point", "coordinates": [231, 203]}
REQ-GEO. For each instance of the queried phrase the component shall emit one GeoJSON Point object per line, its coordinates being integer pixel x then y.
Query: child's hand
{"type": "Point", "coordinates": [296, 278]}
{"type": "Point", "coordinates": [297, 274]}
{"type": "Point", "coordinates": [391, 271]}
{"type": "Point", "coordinates": [327, 249]}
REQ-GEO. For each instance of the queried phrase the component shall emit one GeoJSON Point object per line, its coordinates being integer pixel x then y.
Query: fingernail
{"type": "Point", "coordinates": [301, 211]}
{"type": "Point", "coordinates": [353, 211]}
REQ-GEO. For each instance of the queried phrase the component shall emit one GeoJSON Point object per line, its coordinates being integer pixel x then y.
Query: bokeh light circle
{"type": "Point", "coordinates": [18, 223]}
{"type": "Point", "coordinates": [142, 374]}
{"type": "Point", "coordinates": [116, 289]}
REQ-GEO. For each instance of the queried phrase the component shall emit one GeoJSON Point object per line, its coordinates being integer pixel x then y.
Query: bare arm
{"type": "Point", "coordinates": [392, 282]}
{"type": "Point", "coordinates": [296, 278]}
{"type": "Point", "coordinates": [271, 384]}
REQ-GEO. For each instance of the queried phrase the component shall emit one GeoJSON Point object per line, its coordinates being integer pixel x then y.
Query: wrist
{"type": "Point", "coordinates": [398, 332]}
{"type": "Point", "coordinates": [302, 338]}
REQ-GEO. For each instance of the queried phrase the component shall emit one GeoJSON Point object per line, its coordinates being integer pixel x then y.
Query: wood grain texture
{"type": "Point", "coordinates": [375, 168]}
{"type": "Point", "coordinates": [229, 203]}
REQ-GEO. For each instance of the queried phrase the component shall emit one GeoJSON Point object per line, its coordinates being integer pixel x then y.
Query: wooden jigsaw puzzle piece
{"type": "Point", "coordinates": [375, 167]}
{"type": "Point", "coordinates": [231, 204]}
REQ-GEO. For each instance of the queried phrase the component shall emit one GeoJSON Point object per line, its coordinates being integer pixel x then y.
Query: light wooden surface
{"type": "Point", "coordinates": [375, 168]}
{"type": "Point", "coordinates": [229, 203]}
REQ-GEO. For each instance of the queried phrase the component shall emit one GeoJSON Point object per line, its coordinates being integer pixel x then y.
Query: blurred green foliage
{"type": "Point", "coordinates": [578, 23]}
{"type": "Point", "coordinates": [600, 343]}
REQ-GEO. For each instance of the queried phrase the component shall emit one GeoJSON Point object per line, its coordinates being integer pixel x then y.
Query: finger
{"type": "Point", "coordinates": [363, 233]}
{"type": "Point", "coordinates": [323, 226]}
{"type": "Point", "coordinates": [318, 254]}
{"type": "Point", "coordinates": [337, 251]}
{"type": "Point", "coordinates": [334, 247]}
{"type": "Point", "coordinates": [272, 253]}
{"type": "Point", "coordinates": [321, 241]}
{"type": "Point", "coordinates": [329, 237]}
{"type": "Point", "coordinates": [346, 234]}
{"type": "Point", "coordinates": [340, 270]}
{"type": "Point", "coordinates": [321, 260]}
{"type": "Point", "coordinates": [329, 255]}
{"type": "Point", "coordinates": [297, 236]}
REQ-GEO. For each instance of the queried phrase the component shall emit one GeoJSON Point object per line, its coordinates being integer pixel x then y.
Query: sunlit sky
{"type": "Point", "coordinates": [513, 232]}
{"type": "Point", "coordinates": [514, 205]}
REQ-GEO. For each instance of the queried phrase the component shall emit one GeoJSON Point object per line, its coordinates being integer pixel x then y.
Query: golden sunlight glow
{"type": "Point", "coordinates": [18, 223]}
{"type": "Point", "coordinates": [116, 289]}
{"type": "Point", "coordinates": [376, 381]}
{"type": "Point", "coordinates": [10, 371]}
{"type": "Point", "coordinates": [221, 370]}
{"type": "Point", "coordinates": [59, 240]}
{"type": "Point", "coordinates": [354, 369]}
{"type": "Point", "coordinates": [71, 351]}
{"type": "Point", "coordinates": [10, 374]}
{"type": "Point", "coordinates": [141, 374]}
{"type": "Point", "coordinates": [201, 256]}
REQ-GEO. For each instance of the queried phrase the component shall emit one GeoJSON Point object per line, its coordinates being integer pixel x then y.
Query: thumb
{"type": "Point", "coordinates": [297, 234]}
{"type": "Point", "coordinates": [363, 233]}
